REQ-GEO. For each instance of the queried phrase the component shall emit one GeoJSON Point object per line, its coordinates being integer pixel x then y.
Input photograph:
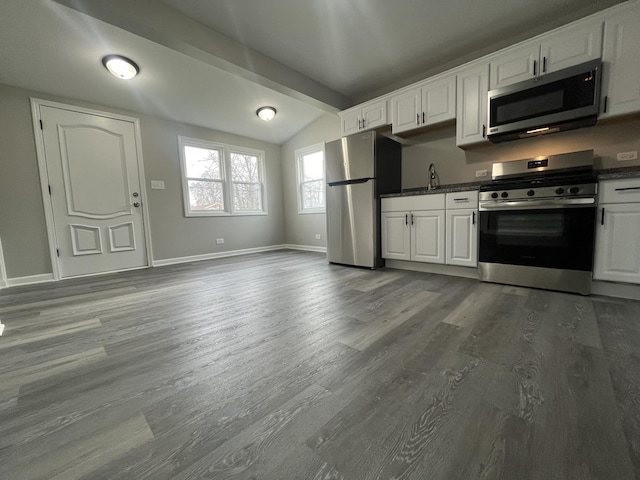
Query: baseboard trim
{"type": "Point", "coordinates": [305, 248]}
{"type": "Point", "coordinates": [29, 280]}
{"type": "Point", "coordinates": [213, 256]}
{"type": "Point", "coordinates": [452, 270]}
{"type": "Point", "coordinates": [614, 289]}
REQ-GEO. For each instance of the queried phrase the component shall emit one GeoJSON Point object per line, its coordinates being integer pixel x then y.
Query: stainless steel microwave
{"type": "Point", "coordinates": [561, 100]}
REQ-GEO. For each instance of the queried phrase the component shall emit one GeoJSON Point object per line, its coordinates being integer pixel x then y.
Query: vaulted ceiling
{"type": "Point", "coordinates": [213, 63]}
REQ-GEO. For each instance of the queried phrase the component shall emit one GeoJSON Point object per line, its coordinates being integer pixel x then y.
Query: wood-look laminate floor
{"type": "Point", "coordinates": [280, 366]}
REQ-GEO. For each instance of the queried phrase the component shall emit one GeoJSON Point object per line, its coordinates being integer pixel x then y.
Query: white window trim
{"type": "Point", "coordinates": [299, 153]}
{"type": "Point", "coordinates": [226, 181]}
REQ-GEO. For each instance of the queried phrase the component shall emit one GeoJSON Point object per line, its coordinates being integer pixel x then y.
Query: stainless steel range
{"type": "Point", "coordinates": [537, 223]}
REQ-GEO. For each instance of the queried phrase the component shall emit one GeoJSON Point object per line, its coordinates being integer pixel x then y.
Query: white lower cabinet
{"type": "Point", "coordinates": [617, 256]}
{"type": "Point", "coordinates": [462, 237]}
{"type": "Point", "coordinates": [462, 229]}
{"type": "Point", "coordinates": [440, 228]}
{"type": "Point", "coordinates": [413, 228]}
{"type": "Point", "coordinates": [427, 236]}
{"type": "Point", "coordinates": [396, 236]}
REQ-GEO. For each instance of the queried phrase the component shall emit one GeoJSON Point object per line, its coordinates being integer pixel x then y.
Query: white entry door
{"type": "Point", "coordinates": [94, 182]}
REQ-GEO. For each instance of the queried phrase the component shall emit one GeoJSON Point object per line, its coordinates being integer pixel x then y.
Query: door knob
{"type": "Point", "coordinates": [136, 204]}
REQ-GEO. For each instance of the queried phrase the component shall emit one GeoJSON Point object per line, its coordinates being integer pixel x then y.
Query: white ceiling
{"type": "Point", "coordinates": [213, 63]}
{"type": "Point", "coordinates": [358, 46]}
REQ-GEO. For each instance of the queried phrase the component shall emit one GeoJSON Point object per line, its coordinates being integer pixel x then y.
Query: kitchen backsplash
{"type": "Point", "coordinates": [455, 165]}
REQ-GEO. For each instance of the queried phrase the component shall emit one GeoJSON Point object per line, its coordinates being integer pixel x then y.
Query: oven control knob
{"type": "Point", "coordinates": [559, 191]}
{"type": "Point", "coordinates": [531, 193]}
{"type": "Point", "coordinates": [494, 195]}
{"type": "Point", "coordinates": [504, 194]}
{"type": "Point", "coordinates": [574, 190]}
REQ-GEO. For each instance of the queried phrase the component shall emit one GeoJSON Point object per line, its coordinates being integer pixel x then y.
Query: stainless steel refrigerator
{"type": "Point", "coordinates": [359, 169]}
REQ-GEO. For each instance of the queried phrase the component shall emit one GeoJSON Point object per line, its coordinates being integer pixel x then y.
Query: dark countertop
{"type": "Point", "coordinates": [604, 174]}
{"type": "Point", "coordinates": [457, 187]}
{"type": "Point", "coordinates": [622, 172]}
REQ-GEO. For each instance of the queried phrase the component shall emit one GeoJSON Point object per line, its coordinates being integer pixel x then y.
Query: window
{"type": "Point", "coordinates": [311, 182]}
{"type": "Point", "coordinates": [221, 179]}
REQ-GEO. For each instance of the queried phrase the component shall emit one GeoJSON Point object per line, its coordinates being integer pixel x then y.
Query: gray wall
{"type": "Point", "coordinates": [301, 228]}
{"type": "Point", "coordinates": [22, 224]}
{"type": "Point", "coordinates": [455, 165]}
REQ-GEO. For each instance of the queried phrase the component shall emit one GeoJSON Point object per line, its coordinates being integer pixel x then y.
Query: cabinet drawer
{"type": "Point", "coordinates": [462, 200]}
{"type": "Point", "coordinates": [413, 202]}
{"type": "Point", "coordinates": [624, 190]}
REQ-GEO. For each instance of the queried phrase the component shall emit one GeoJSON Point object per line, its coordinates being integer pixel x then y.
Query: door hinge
{"type": "Point", "coordinates": [49, 189]}
{"type": "Point", "coordinates": [41, 127]}
{"type": "Point", "coordinates": [58, 251]}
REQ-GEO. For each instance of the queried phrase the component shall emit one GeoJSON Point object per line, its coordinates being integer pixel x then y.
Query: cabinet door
{"type": "Point", "coordinates": [471, 105]}
{"type": "Point", "coordinates": [350, 122]}
{"type": "Point", "coordinates": [427, 236]}
{"type": "Point", "coordinates": [395, 236]}
{"type": "Point", "coordinates": [439, 100]}
{"type": "Point", "coordinates": [571, 46]}
{"type": "Point", "coordinates": [462, 237]}
{"type": "Point", "coordinates": [515, 66]}
{"type": "Point", "coordinates": [618, 243]}
{"type": "Point", "coordinates": [621, 70]}
{"type": "Point", "coordinates": [407, 110]}
{"type": "Point", "coordinates": [374, 115]}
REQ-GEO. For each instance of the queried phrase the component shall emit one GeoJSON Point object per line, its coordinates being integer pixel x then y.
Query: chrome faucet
{"type": "Point", "coordinates": [433, 178]}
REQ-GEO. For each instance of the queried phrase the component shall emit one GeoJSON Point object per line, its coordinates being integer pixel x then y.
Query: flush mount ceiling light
{"type": "Point", "coordinates": [266, 113]}
{"type": "Point", "coordinates": [121, 67]}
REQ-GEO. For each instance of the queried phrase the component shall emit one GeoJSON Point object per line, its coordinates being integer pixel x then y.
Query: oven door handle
{"type": "Point", "coordinates": [538, 204]}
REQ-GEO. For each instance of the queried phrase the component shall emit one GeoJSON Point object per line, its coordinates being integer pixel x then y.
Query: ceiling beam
{"type": "Point", "coordinates": [154, 21]}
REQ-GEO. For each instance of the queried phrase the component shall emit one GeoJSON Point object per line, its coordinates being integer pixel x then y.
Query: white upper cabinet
{"type": "Point", "coordinates": [621, 69]}
{"type": "Point", "coordinates": [429, 103]}
{"type": "Point", "coordinates": [471, 110]}
{"type": "Point", "coordinates": [549, 53]}
{"type": "Point", "coordinates": [514, 66]}
{"type": "Point", "coordinates": [364, 117]}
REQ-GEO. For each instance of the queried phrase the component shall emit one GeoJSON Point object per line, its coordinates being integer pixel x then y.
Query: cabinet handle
{"type": "Point", "coordinates": [606, 100]}
{"type": "Point", "coordinates": [417, 119]}
{"type": "Point", "coordinates": [626, 189]}
{"type": "Point", "coordinates": [363, 122]}
{"type": "Point", "coordinates": [484, 131]}
{"type": "Point", "coordinates": [544, 64]}
{"type": "Point", "coordinates": [422, 117]}
{"type": "Point", "coordinates": [465, 199]}
{"type": "Point", "coordinates": [602, 218]}
{"type": "Point", "coordinates": [411, 218]}
{"type": "Point", "coordinates": [406, 219]}
{"type": "Point", "coordinates": [535, 68]}
{"type": "Point", "coordinates": [473, 218]}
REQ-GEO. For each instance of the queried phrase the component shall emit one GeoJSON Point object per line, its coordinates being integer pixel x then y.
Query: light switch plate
{"type": "Point", "coordinates": [219, 241]}
{"type": "Point", "coordinates": [481, 173]}
{"type": "Point", "coordinates": [157, 184]}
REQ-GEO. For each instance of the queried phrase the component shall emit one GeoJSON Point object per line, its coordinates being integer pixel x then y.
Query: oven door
{"type": "Point", "coordinates": [551, 234]}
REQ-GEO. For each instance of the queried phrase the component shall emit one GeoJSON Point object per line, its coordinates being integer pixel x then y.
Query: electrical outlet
{"type": "Point", "coordinates": [219, 241]}
{"type": "Point", "coordinates": [318, 236]}
{"type": "Point", "coordinates": [481, 173]}
{"type": "Point", "coordinates": [157, 184]}
{"type": "Point", "coordinates": [624, 156]}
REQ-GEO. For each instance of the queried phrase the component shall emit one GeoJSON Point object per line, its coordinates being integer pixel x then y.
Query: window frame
{"type": "Point", "coordinates": [300, 154]}
{"type": "Point", "coordinates": [226, 180]}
